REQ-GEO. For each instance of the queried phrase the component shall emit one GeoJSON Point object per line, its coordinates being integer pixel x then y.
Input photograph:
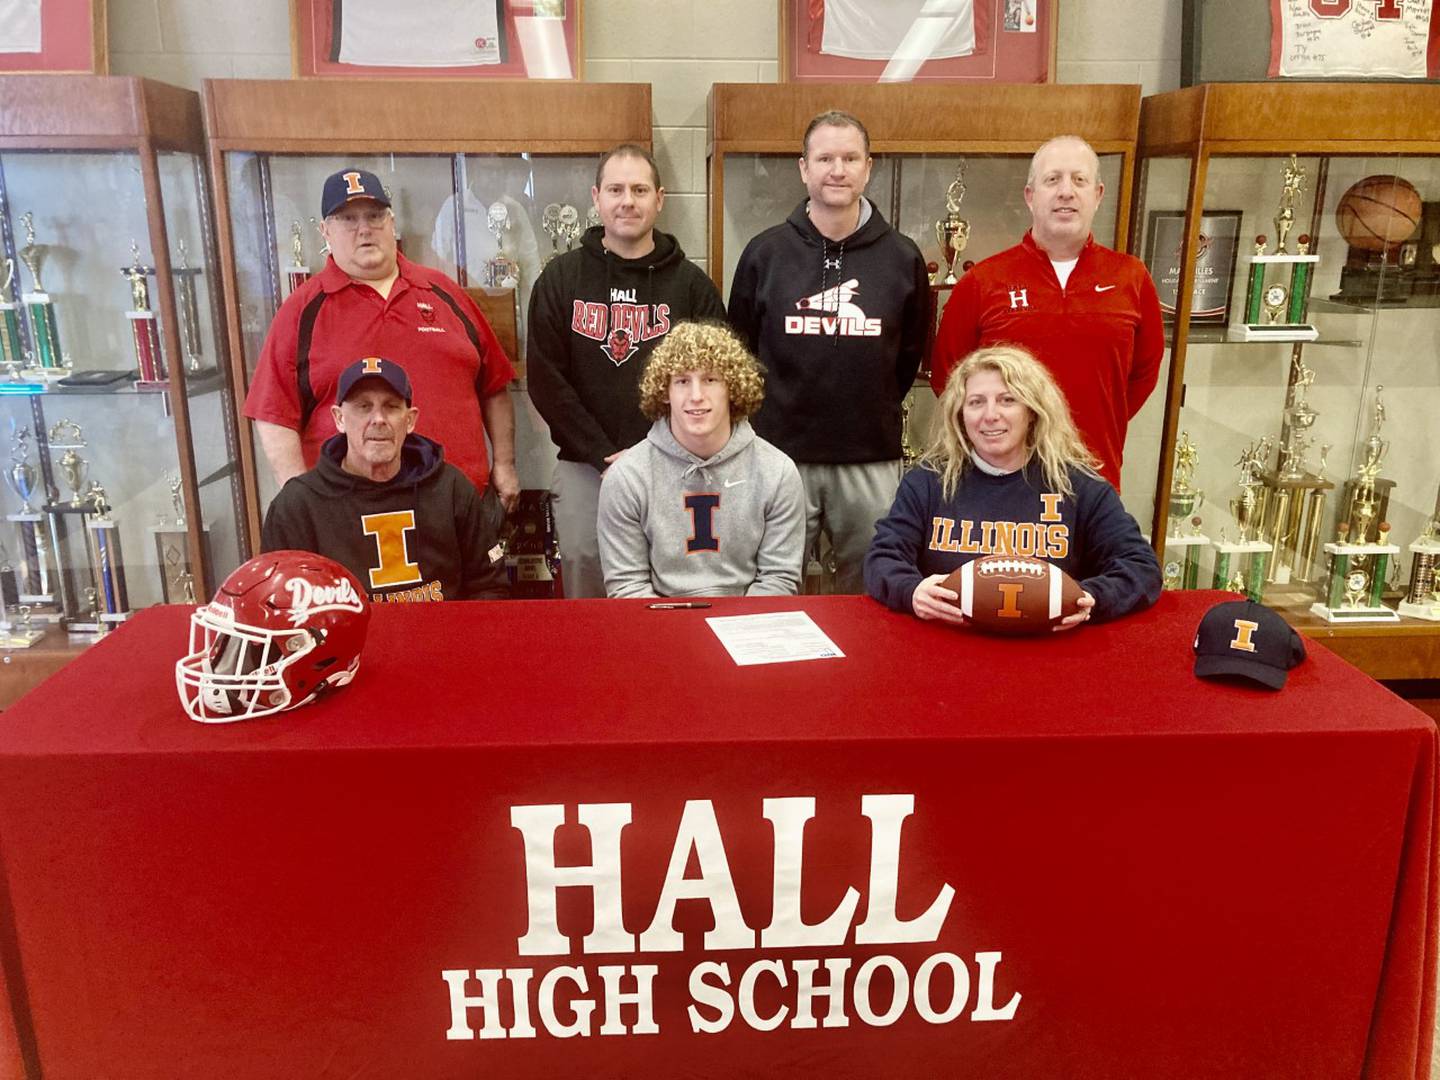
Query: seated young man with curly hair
{"type": "Point", "coordinates": [704, 506]}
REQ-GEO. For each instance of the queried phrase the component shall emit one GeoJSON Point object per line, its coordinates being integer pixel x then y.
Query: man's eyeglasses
{"type": "Point", "coordinates": [352, 219]}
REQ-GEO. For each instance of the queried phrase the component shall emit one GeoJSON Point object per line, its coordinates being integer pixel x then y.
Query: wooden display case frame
{"type": "Point", "coordinates": [911, 118]}
{"type": "Point", "coordinates": [132, 115]}
{"type": "Point", "coordinates": [1277, 119]}
{"type": "Point", "coordinates": [366, 116]}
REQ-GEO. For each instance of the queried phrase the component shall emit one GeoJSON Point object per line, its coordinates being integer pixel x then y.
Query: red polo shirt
{"type": "Point", "coordinates": [427, 325]}
{"type": "Point", "coordinates": [1101, 335]}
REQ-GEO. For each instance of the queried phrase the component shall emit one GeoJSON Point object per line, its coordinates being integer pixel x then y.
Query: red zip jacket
{"type": "Point", "coordinates": [1101, 336]}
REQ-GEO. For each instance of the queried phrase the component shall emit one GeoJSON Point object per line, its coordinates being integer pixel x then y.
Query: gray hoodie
{"type": "Point", "coordinates": [672, 524]}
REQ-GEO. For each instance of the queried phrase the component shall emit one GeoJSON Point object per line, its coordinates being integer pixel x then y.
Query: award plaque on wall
{"type": "Point", "coordinates": [1216, 251]}
{"type": "Point", "coordinates": [473, 39]}
{"type": "Point", "coordinates": [917, 40]}
{"type": "Point", "coordinates": [53, 36]}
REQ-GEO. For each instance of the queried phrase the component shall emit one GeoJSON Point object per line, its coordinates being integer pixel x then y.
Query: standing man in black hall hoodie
{"type": "Point", "coordinates": [595, 315]}
{"type": "Point", "coordinates": [833, 301]}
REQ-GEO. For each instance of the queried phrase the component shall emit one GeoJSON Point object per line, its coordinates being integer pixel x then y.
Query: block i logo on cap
{"type": "Point", "coordinates": [1245, 639]}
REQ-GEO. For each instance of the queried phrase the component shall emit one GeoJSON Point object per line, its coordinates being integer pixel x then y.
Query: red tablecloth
{"type": "Point", "coordinates": [1177, 877]}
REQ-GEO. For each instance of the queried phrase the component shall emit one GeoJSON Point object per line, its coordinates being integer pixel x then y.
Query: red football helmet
{"type": "Point", "coordinates": [284, 628]}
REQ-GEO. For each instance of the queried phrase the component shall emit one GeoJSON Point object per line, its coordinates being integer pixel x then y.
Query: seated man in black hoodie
{"type": "Point", "coordinates": [383, 502]}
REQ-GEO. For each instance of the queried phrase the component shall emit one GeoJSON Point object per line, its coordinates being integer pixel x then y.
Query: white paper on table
{"type": "Point", "coordinates": [776, 637]}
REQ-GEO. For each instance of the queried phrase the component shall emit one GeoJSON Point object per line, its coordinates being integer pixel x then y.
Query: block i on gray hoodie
{"type": "Point", "coordinates": [673, 524]}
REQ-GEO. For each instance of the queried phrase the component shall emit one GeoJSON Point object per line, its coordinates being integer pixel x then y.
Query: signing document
{"type": "Point", "coordinates": [776, 637]}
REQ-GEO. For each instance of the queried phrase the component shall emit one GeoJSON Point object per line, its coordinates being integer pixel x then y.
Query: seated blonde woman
{"type": "Point", "coordinates": [1006, 472]}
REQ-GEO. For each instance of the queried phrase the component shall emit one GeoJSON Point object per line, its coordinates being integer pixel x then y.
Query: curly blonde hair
{"type": "Point", "coordinates": [1052, 437]}
{"type": "Point", "coordinates": [711, 347]}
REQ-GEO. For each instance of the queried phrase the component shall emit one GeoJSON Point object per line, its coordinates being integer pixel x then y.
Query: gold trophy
{"type": "Point", "coordinates": [14, 634]}
{"type": "Point", "coordinates": [1181, 563]}
{"type": "Point", "coordinates": [550, 224]}
{"type": "Point", "coordinates": [1294, 496]}
{"type": "Point", "coordinates": [50, 361]}
{"type": "Point", "coordinates": [107, 565]}
{"type": "Point", "coordinates": [144, 331]}
{"type": "Point", "coordinates": [12, 352]}
{"type": "Point", "coordinates": [1240, 566]}
{"type": "Point", "coordinates": [188, 307]}
{"type": "Point", "coordinates": [172, 547]}
{"type": "Point", "coordinates": [1356, 578]}
{"type": "Point", "coordinates": [952, 231]}
{"type": "Point", "coordinates": [298, 272]}
{"type": "Point", "coordinates": [1275, 306]}
{"type": "Point", "coordinates": [35, 579]}
{"type": "Point", "coordinates": [502, 271]}
{"type": "Point", "coordinates": [77, 613]}
{"type": "Point", "coordinates": [1422, 598]}
{"type": "Point", "coordinates": [570, 229]}
{"type": "Point", "coordinates": [1368, 484]}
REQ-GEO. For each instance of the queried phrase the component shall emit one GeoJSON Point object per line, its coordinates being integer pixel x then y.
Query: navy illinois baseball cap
{"type": "Point", "coordinates": [373, 367]}
{"type": "Point", "coordinates": [349, 184]}
{"type": "Point", "coordinates": [1241, 637]}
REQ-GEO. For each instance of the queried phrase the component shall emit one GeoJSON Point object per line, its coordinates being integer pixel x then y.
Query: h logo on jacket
{"type": "Point", "coordinates": [1018, 299]}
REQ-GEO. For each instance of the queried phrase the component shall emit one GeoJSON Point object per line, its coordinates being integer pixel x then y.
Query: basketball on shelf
{"type": "Point", "coordinates": [1378, 213]}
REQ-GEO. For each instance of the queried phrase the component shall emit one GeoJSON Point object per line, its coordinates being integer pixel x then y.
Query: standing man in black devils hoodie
{"type": "Point", "coordinates": [595, 315]}
{"type": "Point", "coordinates": [834, 301]}
{"type": "Point", "coordinates": [383, 502]}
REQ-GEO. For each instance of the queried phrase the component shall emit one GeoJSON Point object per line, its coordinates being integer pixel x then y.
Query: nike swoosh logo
{"type": "Point", "coordinates": [732, 483]}
{"type": "Point", "coordinates": [1103, 288]}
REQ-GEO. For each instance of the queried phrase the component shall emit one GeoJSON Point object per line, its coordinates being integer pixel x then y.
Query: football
{"type": "Point", "coordinates": [1014, 594]}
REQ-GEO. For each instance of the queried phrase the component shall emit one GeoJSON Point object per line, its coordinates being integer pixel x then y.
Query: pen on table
{"type": "Point", "coordinates": [680, 605]}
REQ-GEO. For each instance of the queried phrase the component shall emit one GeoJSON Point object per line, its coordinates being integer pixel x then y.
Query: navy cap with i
{"type": "Point", "coordinates": [1241, 637]}
{"type": "Point", "coordinates": [373, 367]}
{"type": "Point", "coordinates": [349, 184]}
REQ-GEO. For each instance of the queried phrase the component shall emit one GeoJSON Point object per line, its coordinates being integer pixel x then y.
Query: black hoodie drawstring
{"type": "Point", "coordinates": [825, 265]}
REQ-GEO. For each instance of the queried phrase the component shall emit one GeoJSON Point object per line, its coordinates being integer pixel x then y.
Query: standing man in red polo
{"type": "Point", "coordinates": [372, 301]}
{"type": "Point", "coordinates": [1089, 313]}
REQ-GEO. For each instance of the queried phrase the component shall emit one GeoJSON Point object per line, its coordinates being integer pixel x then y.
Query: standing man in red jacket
{"type": "Point", "coordinates": [1089, 313]}
{"type": "Point", "coordinates": [372, 301]}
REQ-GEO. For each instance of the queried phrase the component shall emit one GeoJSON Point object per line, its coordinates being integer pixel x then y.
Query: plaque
{"type": "Point", "coordinates": [1216, 251]}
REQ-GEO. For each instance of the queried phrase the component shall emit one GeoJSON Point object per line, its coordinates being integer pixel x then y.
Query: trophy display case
{"type": "Point", "coordinates": [487, 182]}
{"type": "Point", "coordinates": [121, 489]}
{"type": "Point", "coordinates": [1293, 232]}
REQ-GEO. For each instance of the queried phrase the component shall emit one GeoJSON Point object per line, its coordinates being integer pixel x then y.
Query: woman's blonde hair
{"type": "Point", "coordinates": [710, 347]}
{"type": "Point", "coordinates": [1052, 438]}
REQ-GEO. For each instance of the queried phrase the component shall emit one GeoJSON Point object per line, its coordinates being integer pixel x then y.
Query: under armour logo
{"type": "Point", "coordinates": [1018, 299]}
{"type": "Point", "coordinates": [832, 264]}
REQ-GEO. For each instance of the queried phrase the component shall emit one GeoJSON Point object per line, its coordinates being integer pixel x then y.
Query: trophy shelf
{"type": "Point", "coordinates": [117, 506]}
{"type": "Point", "coordinates": [1409, 649]}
